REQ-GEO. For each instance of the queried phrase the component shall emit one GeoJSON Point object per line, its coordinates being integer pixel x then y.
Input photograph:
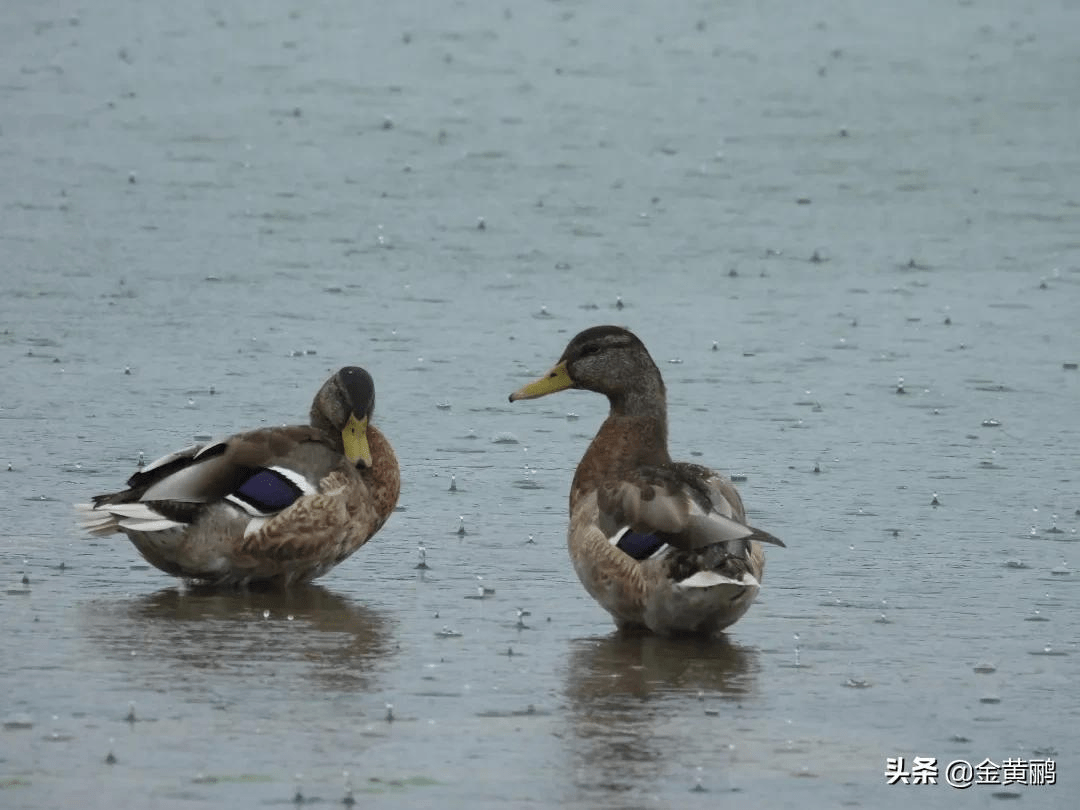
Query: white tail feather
{"type": "Point", "coordinates": [106, 519]}
{"type": "Point", "coordinates": [709, 579]}
{"type": "Point", "coordinates": [160, 525]}
{"type": "Point", "coordinates": [96, 522]}
{"type": "Point", "coordinates": [138, 511]}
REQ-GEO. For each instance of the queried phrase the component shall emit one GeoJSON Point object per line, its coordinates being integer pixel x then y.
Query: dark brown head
{"type": "Point", "coordinates": [607, 359]}
{"type": "Point", "coordinates": [343, 407]}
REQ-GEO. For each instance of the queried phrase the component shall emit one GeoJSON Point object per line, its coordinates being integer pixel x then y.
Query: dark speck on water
{"type": "Point", "coordinates": [257, 193]}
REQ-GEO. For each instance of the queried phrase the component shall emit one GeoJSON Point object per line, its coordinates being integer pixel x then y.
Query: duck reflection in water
{"type": "Point", "coordinates": [634, 705]}
{"type": "Point", "coordinates": [185, 635]}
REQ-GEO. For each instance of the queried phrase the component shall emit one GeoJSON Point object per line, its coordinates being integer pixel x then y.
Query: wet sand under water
{"type": "Point", "coordinates": [204, 212]}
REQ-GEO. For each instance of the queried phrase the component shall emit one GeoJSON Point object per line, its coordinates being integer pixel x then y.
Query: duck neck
{"type": "Point", "coordinates": [630, 437]}
{"type": "Point", "coordinates": [383, 477]}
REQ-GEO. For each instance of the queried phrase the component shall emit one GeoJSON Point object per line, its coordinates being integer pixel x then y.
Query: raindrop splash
{"type": "Point", "coordinates": [347, 799]}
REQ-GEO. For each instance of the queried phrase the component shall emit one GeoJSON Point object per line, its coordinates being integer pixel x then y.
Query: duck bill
{"type": "Point", "coordinates": [558, 379]}
{"type": "Point", "coordinates": [354, 438]}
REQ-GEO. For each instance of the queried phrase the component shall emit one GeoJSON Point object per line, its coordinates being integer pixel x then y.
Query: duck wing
{"type": "Point", "coordinates": [261, 473]}
{"type": "Point", "coordinates": [687, 506]}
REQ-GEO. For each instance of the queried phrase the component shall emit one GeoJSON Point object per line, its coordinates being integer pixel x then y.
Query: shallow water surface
{"type": "Point", "coordinates": [849, 239]}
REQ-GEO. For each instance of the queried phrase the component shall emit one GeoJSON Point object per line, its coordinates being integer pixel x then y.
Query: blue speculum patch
{"type": "Point", "coordinates": [268, 491]}
{"type": "Point", "coordinates": [639, 546]}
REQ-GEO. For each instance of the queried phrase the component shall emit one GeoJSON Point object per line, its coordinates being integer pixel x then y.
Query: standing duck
{"type": "Point", "coordinates": [661, 545]}
{"type": "Point", "coordinates": [273, 506]}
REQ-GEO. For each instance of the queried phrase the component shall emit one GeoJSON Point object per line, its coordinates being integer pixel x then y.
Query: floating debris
{"type": "Point", "coordinates": [1048, 650]}
{"type": "Point", "coordinates": [19, 722]}
{"type": "Point", "coordinates": [446, 632]}
{"type": "Point", "coordinates": [991, 423]}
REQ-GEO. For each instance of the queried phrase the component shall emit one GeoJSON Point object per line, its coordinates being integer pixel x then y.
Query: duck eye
{"type": "Point", "coordinates": [592, 348]}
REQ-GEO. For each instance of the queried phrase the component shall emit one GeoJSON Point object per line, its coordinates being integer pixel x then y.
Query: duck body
{"type": "Point", "coordinates": [662, 545]}
{"type": "Point", "coordinates": [273, 506]}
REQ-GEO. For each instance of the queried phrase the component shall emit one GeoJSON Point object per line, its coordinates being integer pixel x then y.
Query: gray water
{"type": "Point", "coordinates": [205, 211]}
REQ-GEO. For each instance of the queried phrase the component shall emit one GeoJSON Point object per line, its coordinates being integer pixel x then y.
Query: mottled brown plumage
{"type": "Point", "coordinates": [272, 506]}
{"type": "Point", "coordinates": [698, 565]}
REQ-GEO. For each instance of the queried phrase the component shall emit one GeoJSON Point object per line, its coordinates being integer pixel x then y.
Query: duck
{"type": "Point", "coordinates": [270, 507]}
{"type": "Point", "coordinates": [662, 545]}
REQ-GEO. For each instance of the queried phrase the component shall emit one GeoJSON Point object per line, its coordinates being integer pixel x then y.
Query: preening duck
{"type": "Point", "coordinates": [661, 545]}
{"type": "Point", "coordinates": [273, 506]}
